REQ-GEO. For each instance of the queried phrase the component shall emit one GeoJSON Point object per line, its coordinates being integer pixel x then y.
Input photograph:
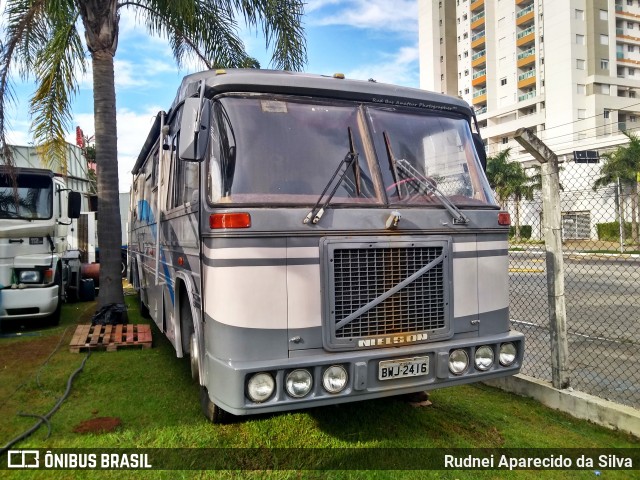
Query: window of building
{"type": "Point", "coordinates": [579, 14]}
{"type": "Point", "coordinates": [441, 41]}
{"type": "Point", "coordinates": [458, 38]}
{"type": "Point", "coordinates": [579, 39]}
{"type": "Point", "coordinates": [440, 22]}
{"type": "Point", "coordinates": [459, 75]}
{"type": "Point", "coordinates": [459, 57]}
{"type": "Point", "coordinates": [466, 90]}
{"type": "Point", "coordinates": [458, 20]}
{"type": "Point", "coordinates": [582, 113]}
{"type": "Point", "coordinates": [606, 113]}
{"type": "Point", "coordinates": [465, 35]}
{"type": "Point", "coordinates": [466, 73]}
{"type": "Point", "coordinates": [505, 140]}
{"type": "Point", "coordinates": [503, 81]}
{"type": "Point", "coordinates": [630, 2]}
{"type": "Point", "coordinates": [631, 48]}
{"type": "Point", "coordinates": [442, 76]}
{"type": "Point", "coordinates": [604, 64]}
{"type": "Point", "coordinates": [605, 89]}
{"type": "Point", "coordinates": [604, 15]}
{"type": "Point", "coordinates": [632, 72]}
{"type": "Point", "coordinates": [579, 63]}
{"type": "Point", "coordinates": [632, 118]}
{"type": "Point", "coordinates": [581, 89]}
{"type": "Point", "coordinates": [464, 17]}
{"type": "Point", "coordinates": [632, 94]}
{"type": "Point", "coordinates": [465, 54]}
{"type": "Point", "coordinates": [441, 59]}
{"type": "Point", "coordinates": [630, 25]}
{"type": "Point", "coordinates": [604, 39]}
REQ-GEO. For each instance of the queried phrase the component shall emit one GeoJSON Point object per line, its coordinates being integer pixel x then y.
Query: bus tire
{"type": "Point", "coordinates": [213, 412]}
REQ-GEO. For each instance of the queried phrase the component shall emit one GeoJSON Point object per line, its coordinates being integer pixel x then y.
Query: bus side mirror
{"type": "Point", "coordinates": [194, 129]}
{"type": "Point", "coordinates": [482, 153]}
{"type": "Point", "coordinates": [74, 204]}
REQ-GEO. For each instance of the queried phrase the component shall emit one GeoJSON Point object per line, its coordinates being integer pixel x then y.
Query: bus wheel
{"type": "Point", "coordinates": [213, 412]}
{"type": "Point", "coordinates": [194, 355]}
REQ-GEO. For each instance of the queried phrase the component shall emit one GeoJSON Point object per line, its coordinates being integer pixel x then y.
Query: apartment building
{"type": "Point", "coordinates": [568, 69]}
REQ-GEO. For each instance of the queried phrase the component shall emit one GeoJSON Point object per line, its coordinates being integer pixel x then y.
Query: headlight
{"type": "Point", "coordinates": [484, 358]}
{"type": "Point", "coordinates": [458, 361]}
{"type": "Point", "coordinates": [334, 379]}
{"type": "Point", "coordinates": [260, 387]}
{"type": "Point", "coordinates": [29, 276]}
{"type": "Point", "coordinates": [507, 354]}
{"type": "Point", "coordinates": [298, 383]}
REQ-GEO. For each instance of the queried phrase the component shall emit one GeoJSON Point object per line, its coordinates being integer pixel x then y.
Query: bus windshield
{"type": "Point", "coordinates": [31, 200]}
{"type": "Point", "coordinates": [286, 151]}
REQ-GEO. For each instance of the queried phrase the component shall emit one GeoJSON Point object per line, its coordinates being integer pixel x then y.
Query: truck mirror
{"type": "Point", "coordinates": [482, 153]}
{"type": "Point", "coordinates": [194, 129]}
{"type": "Point", "coordinates": [75, 201]}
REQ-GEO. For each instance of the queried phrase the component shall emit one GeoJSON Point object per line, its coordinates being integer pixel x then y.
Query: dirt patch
{"type": "Point", "coordinates": [98, 425]}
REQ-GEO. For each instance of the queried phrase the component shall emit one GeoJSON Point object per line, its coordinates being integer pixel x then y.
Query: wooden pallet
{"type": "Point", "coordinates": [110, 337]}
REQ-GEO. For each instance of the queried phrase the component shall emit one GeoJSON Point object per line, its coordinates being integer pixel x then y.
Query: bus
{"type": "Point", "coordinates": [309, 240]}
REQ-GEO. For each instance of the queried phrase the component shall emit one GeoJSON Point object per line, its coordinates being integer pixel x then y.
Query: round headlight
{"type": "Point", "coordinates": [484, 357]}
{"type": "Point", "coordinates": [334, 379]}
{"type": "Point", "coordinates": [260, 387]}
{"type": "Point", "coordinates": [458, 361]}
{"type": "Point", "coordinates": [507, 354]}
{"type": "Point", "coordinates": [298, 383]}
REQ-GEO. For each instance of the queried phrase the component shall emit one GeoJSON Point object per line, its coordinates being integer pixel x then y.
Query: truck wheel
{"type": "Point", "coordinates": [213, 412]}
{"type": "Point", "coordinates": [54, 318]}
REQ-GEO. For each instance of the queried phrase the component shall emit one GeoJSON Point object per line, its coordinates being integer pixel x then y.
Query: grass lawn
{"type": "Point", "coordinates": [150, 396]}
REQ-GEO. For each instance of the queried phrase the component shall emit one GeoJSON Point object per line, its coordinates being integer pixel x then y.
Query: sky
{"type": "Point", "coordinates": [360, 38]}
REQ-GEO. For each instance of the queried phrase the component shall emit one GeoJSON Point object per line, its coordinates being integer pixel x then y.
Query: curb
{"type": "Point", "coordinates": [577, 404]}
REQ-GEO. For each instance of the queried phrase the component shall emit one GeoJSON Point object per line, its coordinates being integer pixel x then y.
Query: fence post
{"type": "Point", "coordinates": [553, 245]}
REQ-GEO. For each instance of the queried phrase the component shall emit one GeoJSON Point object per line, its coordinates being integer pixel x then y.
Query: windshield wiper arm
{"type": "Point", "coordinates": [315, 214]}
{"type": "Point", "coordinates": [427, 186]}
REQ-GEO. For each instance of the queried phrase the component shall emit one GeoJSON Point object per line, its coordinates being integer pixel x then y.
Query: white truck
{"type": "Point", "coordinates": [36, 267]}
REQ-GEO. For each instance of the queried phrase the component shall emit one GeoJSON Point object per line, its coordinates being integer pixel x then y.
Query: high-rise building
{"type": "Point", "coordinates": [567, 69]}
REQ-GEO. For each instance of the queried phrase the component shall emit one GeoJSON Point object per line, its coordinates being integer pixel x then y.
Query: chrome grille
{"type": "Point", "coordinates": [362, 275]}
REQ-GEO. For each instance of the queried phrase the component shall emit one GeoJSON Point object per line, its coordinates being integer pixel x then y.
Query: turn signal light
{"type": "Point", "coordinates": [229, 220]}
{"type": "Point", "coordinates": [504, 218]}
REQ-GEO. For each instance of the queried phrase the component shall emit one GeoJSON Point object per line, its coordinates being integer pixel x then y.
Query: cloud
{"type": "Point", "coordinates": [399, 16]}
{"type": "Point", "coordinates": [400, 67]}
{"type": "Point", "coordinates": [133, 128]}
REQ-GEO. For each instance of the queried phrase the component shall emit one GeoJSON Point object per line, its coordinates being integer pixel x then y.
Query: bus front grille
{"type": "Point", "coordinates": [384, 289]}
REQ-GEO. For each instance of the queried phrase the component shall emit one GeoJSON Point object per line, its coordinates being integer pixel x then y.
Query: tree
{"type": "Point", "coordinates": [509, 179]}
{"type": "Point", "coordinates": [623, 165]}
{"type": "Point", "coordinates": [42, 39]}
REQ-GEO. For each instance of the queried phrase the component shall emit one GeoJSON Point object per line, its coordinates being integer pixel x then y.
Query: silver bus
{"type": "Point", "coordinates": [310, 240]}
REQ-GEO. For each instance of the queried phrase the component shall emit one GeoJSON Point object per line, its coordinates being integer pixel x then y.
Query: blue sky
{"type": "Point", "coordinates": [361, 38]}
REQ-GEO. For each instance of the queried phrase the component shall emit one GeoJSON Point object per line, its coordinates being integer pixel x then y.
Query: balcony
{"type": "Point", "coordinates": [477, 20]}
{"type": "Point", "coordinates": [526, 37]}
{"type": "Point", "coordinates": [480, 96]}
{"type": "Point", "coordinates": [479, 78]}
{"type": "Point", "coordinates": [479, 58]}
{"type": "Point", "coordinates": [527, 79]}
{"type": "Point", "coordinates": [476, 5]}
{"type": "Point", "coordinates": [478, 39]}
{"type": "Point", "coordinates": [481, 110]}
{"type": "Point", "coordinates": [526, 57]}
{"type": "Point", "coordinates": [526, 96]}
{"type": "Point", "coordinates": [525, 15]}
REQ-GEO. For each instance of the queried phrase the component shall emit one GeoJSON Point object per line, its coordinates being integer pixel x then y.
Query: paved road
{"type": "Point", "coordinates": [602, 297]}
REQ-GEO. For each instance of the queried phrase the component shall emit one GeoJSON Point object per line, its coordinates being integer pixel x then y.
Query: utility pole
{"type": "Point", "coordinates": [553, 245]}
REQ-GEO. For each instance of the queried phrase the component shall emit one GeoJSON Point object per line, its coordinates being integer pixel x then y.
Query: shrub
{"type": "Point", "coordinates": [611, 231]}
{"type": "Point", "coordinates": [525, 231]}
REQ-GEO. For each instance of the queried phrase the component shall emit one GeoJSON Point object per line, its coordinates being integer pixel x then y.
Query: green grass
{"type": "Point", "coordinates": [152, 393]}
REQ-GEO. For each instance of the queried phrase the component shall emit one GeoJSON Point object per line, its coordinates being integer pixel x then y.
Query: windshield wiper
{"type": "Point", "coordinates": [350, 159]}
{"type": "Point", "coordinates": [427, 186]}
{"type": "Point", "coordinates": [423, 185]}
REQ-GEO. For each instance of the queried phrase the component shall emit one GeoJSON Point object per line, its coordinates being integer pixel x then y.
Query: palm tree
{"type": "Point", "coordinates": [623, 165]}
{"type": "Point", "coordinates": [42, 39]}
{"type": "Point", "coordinates": [509, 179]}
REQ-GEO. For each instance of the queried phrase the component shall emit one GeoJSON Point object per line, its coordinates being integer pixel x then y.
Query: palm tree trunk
{"type": "Point", "coordinates": [109, 230]}
{"type": "Point", "coordinates": [517, 232]}
{"type": "Point", "coordinates": [634, 213]}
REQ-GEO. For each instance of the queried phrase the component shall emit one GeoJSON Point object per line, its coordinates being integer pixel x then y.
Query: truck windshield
{"type": "Point", "coordinates": [31, 200]}
{"type": "Point", "coordinates": [438, 150]}
{"type": "Point", "coordinates": [268, 151]}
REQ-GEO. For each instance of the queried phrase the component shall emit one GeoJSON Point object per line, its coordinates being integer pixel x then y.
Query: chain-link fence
{"type": "Point", "coordinates": [602, 279]}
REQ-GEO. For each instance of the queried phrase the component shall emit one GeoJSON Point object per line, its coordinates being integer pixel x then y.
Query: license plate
{"type": "Point", "coordinates": [403, 367]}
